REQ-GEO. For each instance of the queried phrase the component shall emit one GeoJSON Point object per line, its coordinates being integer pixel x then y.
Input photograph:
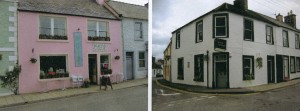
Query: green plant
{"type": "Point", "coordinates": [10, 79]}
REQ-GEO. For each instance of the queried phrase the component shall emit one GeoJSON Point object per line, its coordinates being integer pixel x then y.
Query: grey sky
{"type": "Point", "coordinates": [168, 15]}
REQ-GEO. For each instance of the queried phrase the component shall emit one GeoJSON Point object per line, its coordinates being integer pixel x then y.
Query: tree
{"type": "Point", "coordinates": [10, 79]}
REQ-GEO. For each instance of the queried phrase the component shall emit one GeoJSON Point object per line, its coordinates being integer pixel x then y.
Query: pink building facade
{"type": "Point", "coordinates": [53, 47]}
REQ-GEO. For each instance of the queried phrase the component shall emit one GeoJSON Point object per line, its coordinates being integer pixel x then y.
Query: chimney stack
{"type": "Point", "coordinates": [290, 19]}
{"type": "Point", "coordinates": [279, 18]}
{"type": "Point", "coordinates": [241, 4]}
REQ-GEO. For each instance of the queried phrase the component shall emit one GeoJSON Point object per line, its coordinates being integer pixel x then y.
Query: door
{"type": "Point", "coordinates": [129, 65]}
{"type": "Point", "coordinates": [221, 67]}
{"type": "Point", "coordinates": [279, 68]}
{"type": "Point", "coordinates": [271, 69]}
{"type": "Point", "coordinates": [93, 68]}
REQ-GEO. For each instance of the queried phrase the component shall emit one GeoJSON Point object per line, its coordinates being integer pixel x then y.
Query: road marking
{"type": "Point", "coordinates": [162, 93]}
{"type": "Point", "coordinates": [170, 105]}
{"type": "Point", "coordinates": [211, 97]}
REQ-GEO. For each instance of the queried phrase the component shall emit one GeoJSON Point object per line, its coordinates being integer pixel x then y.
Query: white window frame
{"type": "Point", "coordinates": [285, 41]}
{"type": "Point", "coordinates": [67, 65]}
{"type": "Point", "coordinates": [142, 59]}
{"type": "Point", "coordinates": [198, 31]}
{"type": "Point", "coordinates": [297, 41]}
{"type": "Point", "coordinates": [140, 30]}
{"type": "Point", "coordinates": [52, 24]}
{"type": "Point", "coordinates": [215, 19]}
{"type": "Point", "coordinates": [271, 42]}
{"type": "Point", "coordinates": [97, 22]}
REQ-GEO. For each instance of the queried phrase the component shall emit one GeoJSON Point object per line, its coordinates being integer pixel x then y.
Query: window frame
{"type": "Point", "coordinates": [54, 78]}
{"type": "Point", "coordinates": [142, 59]}
{"type": "Point", "coordinates": [297, 64]}
{"type": "Point", "coordinates": [52, 35]}
{"type": "Point", "coordinates": [198, 37]}
{"type": "Point", "coordinates": [177, 40]}
{"type": "Point", "coordinates": [287, 37]}
{"type": "Point", "coordinates": [140, 30]}
{"type": "Point", "coordinates": [199, 77]}
{"type": "Point", "coordinates": [251, 68]}
{"type": "Point", "coordinates": [225, 15]}
{"type": "Point", "coordinates": [297, 41]}
{"type": "Point", "coordinates": [271, 42]}
{"type": "Point", "coordinates": [252, 30]}
{"type": "Point", "coordinates": [98, 38]}
{"type": "Point", "coordinates": [180, 73]}
{"type": "Point", "coordinates": [292, 60]}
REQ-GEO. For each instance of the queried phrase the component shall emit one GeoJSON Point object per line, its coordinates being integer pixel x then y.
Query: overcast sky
{"type": "Point", "coordinates": [168, 15]}
{"type": "Point", "coordinates": [137, 2]}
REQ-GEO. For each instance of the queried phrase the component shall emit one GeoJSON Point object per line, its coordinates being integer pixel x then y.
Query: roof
{"type": "Point", "coordinates": [247, 13]}
{"type": "Point", "coordinates": [89, 8]}
{"type": "Point", "coordinates": [129, 10]}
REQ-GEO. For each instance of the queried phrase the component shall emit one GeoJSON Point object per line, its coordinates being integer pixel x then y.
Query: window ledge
{"type": "Point", "coordinates": [139, 39]}
{"type": "Point", "coordinates": [54, 79]}
{"type": "Point", "coordinates": [103, 42]}
{"type": "Point", "coordinates": [52, 40]}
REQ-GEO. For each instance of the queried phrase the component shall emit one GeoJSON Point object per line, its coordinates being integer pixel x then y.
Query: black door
{"type": "Point", "coordinates": [271, 71]}
{"type": "Point", "coordinates": [221, 70]}
{"type": "Point", "coordinates": [279, 68]}
{"type": "Point", "coordinates": [93, 68]}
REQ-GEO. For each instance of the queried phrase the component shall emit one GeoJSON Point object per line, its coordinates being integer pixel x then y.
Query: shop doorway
{"type": "Point", "coordinates": [271, 69]}
{"type": "Point", "coordinates": [93, 68]}
{"type": "Point", "coordinates": [129, 65]}
{"type": "Point", "coordinates": [221, 70]}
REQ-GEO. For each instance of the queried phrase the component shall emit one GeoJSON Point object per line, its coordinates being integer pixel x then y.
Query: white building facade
{"type": "Point", "coordinates": [135, 38]}
{"type": "Point", "coordinates": [232, 47]}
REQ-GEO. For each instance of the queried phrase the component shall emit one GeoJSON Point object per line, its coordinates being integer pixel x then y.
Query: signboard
{"type": "Point", "coordinates": [78, 49]}
{"type": "Point", "coordinates": [99, 47]}
{"type": "Point", "coordinates": [220, 45]}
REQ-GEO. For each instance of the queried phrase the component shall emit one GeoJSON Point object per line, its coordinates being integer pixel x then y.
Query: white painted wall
{"type": "Point", "coordinates": [236, 46]}
{"type": "Point", "coordinates": [132, 45]}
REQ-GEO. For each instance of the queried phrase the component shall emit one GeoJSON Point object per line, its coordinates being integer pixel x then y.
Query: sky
{"type": "Point", "coordinates": [137, 2]}
{"type": "Point", "coordinates": [168, 15]}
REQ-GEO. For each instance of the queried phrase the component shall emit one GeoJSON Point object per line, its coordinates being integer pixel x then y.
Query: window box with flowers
{"type": "Point", "coordinates": [98, 31]}
{"type": "Point", "coordinates": [52, 28]}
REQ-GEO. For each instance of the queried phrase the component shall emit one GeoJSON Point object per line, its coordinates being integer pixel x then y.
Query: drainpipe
{"type": "Point", "coordinates": [207, 56]}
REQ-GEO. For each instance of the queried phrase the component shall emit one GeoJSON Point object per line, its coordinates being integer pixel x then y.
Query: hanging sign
{"type": "Point", "coordinates": [78, 49]}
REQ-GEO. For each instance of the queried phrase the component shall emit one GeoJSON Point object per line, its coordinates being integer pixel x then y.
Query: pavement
{"type": "Point", "coordinates": [11, 100]}
{"type": "Point", "coordinates": [244, 90]}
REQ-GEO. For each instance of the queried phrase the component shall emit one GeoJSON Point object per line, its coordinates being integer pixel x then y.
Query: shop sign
{"type": "Point", "coordinates": [220, 45]}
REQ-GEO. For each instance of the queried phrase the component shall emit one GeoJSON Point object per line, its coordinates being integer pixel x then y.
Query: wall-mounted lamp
{"type": "Point", "coordinates": [78, 29]}
{"type": "Point", "coordinates": [32, 50]}
{"type": "Point", "coordinates": [0, 56]}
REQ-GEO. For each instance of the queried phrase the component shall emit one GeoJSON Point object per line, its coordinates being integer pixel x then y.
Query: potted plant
{"type": "Point", "coordinates": [117, 57]}
{"type": "Point", "coordinates": [32, 60]}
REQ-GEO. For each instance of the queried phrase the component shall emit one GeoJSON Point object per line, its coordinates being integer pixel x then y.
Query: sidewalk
{"type": "Point", "coordinates": [35, 97]}
{"type": "Point", "coordinates": [246, 90]}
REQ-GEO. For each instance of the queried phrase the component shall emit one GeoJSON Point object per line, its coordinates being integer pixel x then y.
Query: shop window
{"type": "Point", "coordinates": [248, 67]}
{"type": "Point", "coordinates": [292, 65]}
{"type": "Point", "coordinates": [269, 35]}
{"type": "Point", "coordinates": [142, 59]}
{"type": "Point", "coordinates": [285, 37]}
{"type": "Point", "coordinates": [98, 31]}
{"type": "Point", "coordinates": [180, 69]}
{"type": "Point", "coordinates": [199, 31]}
{"type": "Point", "coordinates": [105, 64]}
{"type": "Point", "coordinates": [177, 40]}
{"type": "Point", "coordinates": [220, 23]}
{"type": "Point", "coordinates": [297, 41]}
{"type": "Point", "coordinates": [198, 68]}
{"type": "Point", "coordinates": [53, 67]}
{"type": "Point", "coordinates": [52, 28]}
{"type": "Point", "coordinates": [298, 64]}
{"type": "Point", "coordinates": [138, 32]}
{"type": "Point", "coordinates": [248, 30]}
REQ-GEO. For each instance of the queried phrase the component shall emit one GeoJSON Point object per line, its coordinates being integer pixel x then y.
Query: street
{"type": "Point", "coordinates": [128, 99]}
{"type": "Point", "coordinates": [284, 99]}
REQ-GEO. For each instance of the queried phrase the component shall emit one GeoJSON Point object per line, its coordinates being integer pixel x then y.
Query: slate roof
{"type": "Point", "coordinates": [89, 8]}
{"type": "Point", "coordinates": [129, 10]}
{"type": "Point", "coordinates": [247, 13]}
